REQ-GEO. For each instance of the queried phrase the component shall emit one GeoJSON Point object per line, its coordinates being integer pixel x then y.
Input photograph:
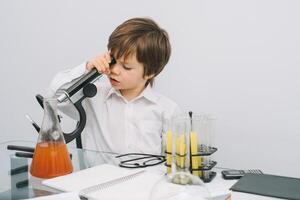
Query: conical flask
{"type": "Point", "coordinates": [51, 157]}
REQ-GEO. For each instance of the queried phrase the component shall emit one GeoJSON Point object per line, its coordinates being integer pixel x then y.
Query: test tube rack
{"type": "Point", "coordinates": [205, 168]}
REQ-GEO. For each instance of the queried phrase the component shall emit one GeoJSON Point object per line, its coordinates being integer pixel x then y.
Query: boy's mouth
{"type": "Point", "coordinates": [114, 81]}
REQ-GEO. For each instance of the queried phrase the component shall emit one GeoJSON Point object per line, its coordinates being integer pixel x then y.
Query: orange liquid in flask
{"type": "Point", "coordinates": [51, 159]}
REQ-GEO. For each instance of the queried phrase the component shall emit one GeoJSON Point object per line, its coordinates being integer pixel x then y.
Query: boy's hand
{"type": "Point", "coordinates": [101, 63]}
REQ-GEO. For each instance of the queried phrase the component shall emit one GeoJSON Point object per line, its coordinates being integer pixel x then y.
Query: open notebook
{"type": "Point", "coordinates": [107, 182]}
{"type": "Point", "coordinates": [61, 196]}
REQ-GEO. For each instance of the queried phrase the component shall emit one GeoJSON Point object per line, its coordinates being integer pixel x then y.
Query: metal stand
{"type": "Point", "coordinates": [89, 90]}
{"type": "Point", "coordinates": [205, 169]}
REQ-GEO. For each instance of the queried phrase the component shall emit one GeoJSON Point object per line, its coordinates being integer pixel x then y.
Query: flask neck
{"type": "Point", "coordinates": [50, 129]}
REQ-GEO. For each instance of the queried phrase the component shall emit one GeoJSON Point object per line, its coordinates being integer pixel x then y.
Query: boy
{"type": "Point", "coordinates": [127, 115]}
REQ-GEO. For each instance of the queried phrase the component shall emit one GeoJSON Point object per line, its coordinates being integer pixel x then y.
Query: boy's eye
{"type": "Point", "coordinates": [126, 68]}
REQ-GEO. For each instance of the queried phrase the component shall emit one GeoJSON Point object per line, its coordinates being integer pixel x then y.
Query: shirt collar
{"type": "Point", "coordinates": [148, 93]}
{"type": "Point", "coordinates": [111, 92]}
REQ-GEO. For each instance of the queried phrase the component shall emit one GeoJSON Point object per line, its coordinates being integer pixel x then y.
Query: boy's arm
{"type": "Point", "coordinates": [66, 78]}
{"type": "Point", "coordinates": [63, 80]}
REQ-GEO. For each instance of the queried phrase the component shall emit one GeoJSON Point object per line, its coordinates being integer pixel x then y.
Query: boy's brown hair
{"type": "Point", "coordinates": [143, 37]}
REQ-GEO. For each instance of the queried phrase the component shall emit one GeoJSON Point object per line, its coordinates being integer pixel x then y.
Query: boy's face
{"type": "Point", "coordinates": [127, 77]}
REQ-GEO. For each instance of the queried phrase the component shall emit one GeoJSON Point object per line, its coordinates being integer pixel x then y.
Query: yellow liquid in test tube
{"type": "Point", "coordinates": [169, 151]}
{"type": "Point", "coordinates": [194, 151]}
{"type": "Point", "coordinates": [180, 151]}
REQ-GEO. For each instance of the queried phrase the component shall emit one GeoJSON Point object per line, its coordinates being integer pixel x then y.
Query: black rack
{"type": "Point", "coordinates": [207, 175]}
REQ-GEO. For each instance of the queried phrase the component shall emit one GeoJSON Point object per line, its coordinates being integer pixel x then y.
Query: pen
{"type": "Point", "coordinates": [24, 155]}
{"type": "Point", "coordinates": [19, 170]}
{"type": "Point", "coordinates": [20, 148]}
{"type": "Point", "coordinates": [29, 155]}
{"type": "Point", "coordinates": [36, 127]}
{"type": "Point", "coordinates": [22, 184]}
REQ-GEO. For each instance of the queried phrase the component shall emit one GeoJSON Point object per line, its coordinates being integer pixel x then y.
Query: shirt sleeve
{"type": "Point", "coordinates": [171, 110]}
{"type": "Point", "coordinates": [66, 78]}
{"type": "Point", "coordinates": [63, 80]}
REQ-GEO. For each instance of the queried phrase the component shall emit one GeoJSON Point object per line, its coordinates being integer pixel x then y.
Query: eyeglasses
{"type": "Point", "coordinates": [140, 160]}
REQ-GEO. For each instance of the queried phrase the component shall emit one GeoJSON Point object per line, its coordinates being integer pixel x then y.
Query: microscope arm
{"type": "Point", "coordinates": [89, 91]}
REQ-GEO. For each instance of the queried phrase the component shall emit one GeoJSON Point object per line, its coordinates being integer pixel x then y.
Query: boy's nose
{"type": "Point", "coordinates": [115, 69]}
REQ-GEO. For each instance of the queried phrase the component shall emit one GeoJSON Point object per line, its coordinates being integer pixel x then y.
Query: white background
{"type": "Point", "coordinates": [238, 60]}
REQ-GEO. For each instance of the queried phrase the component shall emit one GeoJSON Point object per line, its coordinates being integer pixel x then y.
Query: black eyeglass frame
{"type": "Point", "coordinates": [127, 163]}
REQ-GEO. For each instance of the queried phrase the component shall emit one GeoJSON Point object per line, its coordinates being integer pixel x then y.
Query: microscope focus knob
{"type": "Point", "coordinates": [90, 90]}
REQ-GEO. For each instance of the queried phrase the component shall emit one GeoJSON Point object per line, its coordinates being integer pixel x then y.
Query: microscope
{"type": "Point", "coordinates": [76, 93]}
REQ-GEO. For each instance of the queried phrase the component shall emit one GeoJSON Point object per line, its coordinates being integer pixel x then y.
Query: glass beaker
{"type": "Point", "coordinates": [179, 183]}
{"type": "Point", "coordinates": [165, 190]}
{"type": "Point", "coordinates": [51, 157]}
{"type": "Point", "coordinates": [178, 143]}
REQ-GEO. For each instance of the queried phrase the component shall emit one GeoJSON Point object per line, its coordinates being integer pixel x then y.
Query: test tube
{"type": "Point", "coordinates": [197, 132]}
{"type": "Point", "coordinates": [167, 143]}
{"type": "Point", "coordinates": [181, 142]}
{"type": "Point", "coordinates": [209, 135]}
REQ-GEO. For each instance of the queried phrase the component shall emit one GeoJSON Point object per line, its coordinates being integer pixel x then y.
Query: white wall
{"type": "Point", "coordinates": [238, 60]}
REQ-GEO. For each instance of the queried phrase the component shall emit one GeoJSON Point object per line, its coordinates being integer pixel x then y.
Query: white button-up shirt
{"type": "Point", "coordinates": [115, 124]}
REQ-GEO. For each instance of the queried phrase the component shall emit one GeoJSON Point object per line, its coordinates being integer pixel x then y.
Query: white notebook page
{"type": "Point", "coordinates": [139, 187]}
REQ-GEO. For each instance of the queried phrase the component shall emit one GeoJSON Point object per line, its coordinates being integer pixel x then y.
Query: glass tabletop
{"type": "Point", "coordinates": [16, 181]}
